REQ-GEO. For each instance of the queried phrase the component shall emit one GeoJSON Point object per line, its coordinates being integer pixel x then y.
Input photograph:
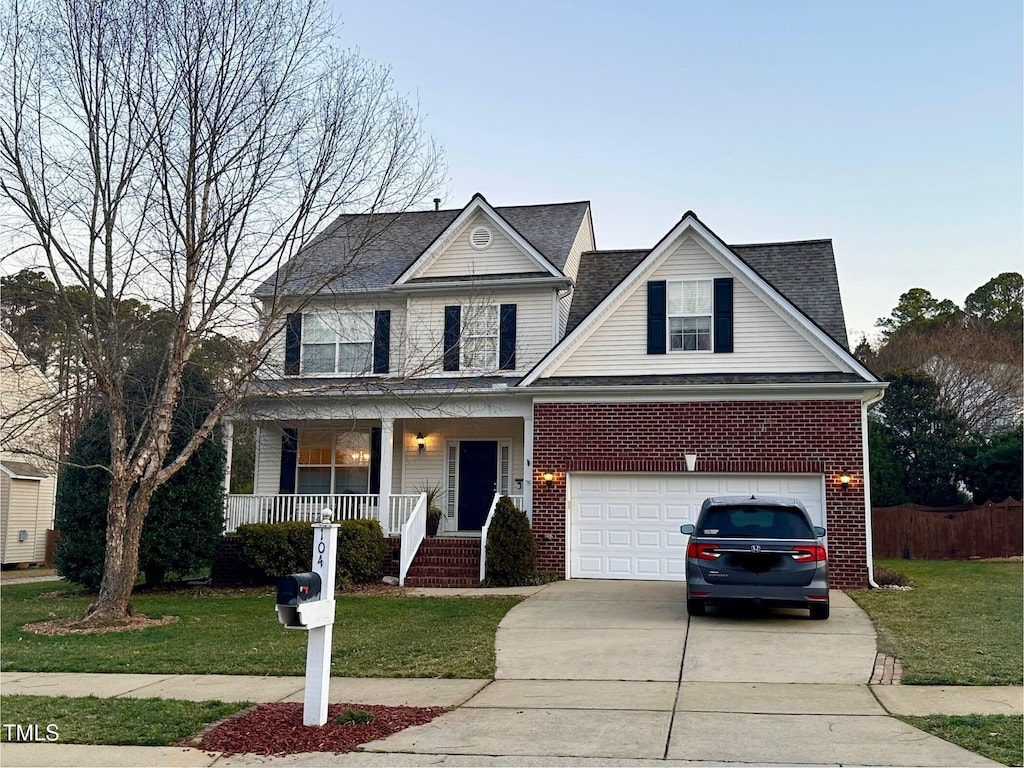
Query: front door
{"type": "Point", "coordinates": [478, 476]}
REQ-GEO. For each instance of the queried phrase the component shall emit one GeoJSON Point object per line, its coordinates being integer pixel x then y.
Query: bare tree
{"type": "Point", "coordinates": [178, 152]}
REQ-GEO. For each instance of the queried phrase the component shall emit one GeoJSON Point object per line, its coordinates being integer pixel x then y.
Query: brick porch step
{"type": "Point", "coordinates": [446, 562]}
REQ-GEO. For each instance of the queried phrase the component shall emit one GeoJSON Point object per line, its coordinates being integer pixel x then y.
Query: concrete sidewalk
{"type": "Point", "coordinates": [603, 673]}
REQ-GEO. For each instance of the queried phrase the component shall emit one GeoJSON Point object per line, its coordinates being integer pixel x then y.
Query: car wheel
{"type": "Point", "coordinates": [695, 607]}
{"type": "Point", "coordinates": [819, 612]}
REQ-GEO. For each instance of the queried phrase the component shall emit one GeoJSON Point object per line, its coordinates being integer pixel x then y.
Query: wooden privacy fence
{"type": "Point", "coordinates": [948, 533]}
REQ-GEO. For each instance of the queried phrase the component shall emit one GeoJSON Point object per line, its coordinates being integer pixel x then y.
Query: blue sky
{"type": "Point", "coordinates": [894, 128]}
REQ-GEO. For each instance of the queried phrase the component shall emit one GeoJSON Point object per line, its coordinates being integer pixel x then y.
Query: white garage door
{"type": "Point", "coordinates": [626, 526]}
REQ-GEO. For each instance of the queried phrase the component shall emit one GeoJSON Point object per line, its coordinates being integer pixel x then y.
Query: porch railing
{"type": "Point", "coordinates": [279, 508]}
{"type": "Point", "coordinates": [413, 531]}
{"type": "Point", "coordinates": [518, 501]}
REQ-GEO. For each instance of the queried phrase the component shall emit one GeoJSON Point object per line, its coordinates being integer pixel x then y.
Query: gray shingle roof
{"type": "Point", "coordinates": [23, 469]}
{"type": "Point", "coordinates": [803, 271]}
{"type": "Point", "coordinates": [373, 250]}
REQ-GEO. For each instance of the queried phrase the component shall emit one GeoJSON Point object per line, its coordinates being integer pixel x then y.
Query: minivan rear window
{"type": "Point", "coordinates": [756, 522]}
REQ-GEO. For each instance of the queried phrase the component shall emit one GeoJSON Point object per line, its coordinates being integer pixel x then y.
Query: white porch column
{"type": "Point", "coordinates": [229, 442]}
{"type": "Point", "coordinates": [387, 451]}
{"type": "Point", "coordinates": [528, 465]}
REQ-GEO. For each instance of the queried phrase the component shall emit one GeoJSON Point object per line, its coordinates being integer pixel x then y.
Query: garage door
{"type": "Point", "coordinates": [626, 526]}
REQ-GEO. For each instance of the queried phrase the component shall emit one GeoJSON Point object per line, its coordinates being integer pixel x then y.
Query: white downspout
{"type": "Point", "coordinates": [865, 404]}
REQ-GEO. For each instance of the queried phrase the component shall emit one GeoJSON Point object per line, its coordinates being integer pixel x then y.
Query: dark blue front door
{"type": "Point", "coordinates": [478, 475]}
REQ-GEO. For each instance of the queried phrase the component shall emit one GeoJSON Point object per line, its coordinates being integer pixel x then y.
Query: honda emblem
{"type": "Point", "coordinates": [755, 548]}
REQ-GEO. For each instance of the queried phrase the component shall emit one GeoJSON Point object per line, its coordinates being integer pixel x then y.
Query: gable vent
{"type": "Point", "coordinates": [481, 238]}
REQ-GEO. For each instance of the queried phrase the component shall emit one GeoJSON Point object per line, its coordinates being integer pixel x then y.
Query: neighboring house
{"type": "Point", "coordinates": [28, 456]}
{"type": "Point", "coordinates": [494, 351]}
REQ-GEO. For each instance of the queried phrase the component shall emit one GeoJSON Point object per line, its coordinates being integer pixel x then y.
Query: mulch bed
{"type": "Point", "coordinates": [277, 729]}
{"type": "Point", "coordinates": [77, 626]}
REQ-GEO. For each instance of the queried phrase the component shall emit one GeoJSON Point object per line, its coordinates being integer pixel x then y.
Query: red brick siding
{"type": "Point", "coordinates": [818, 436]}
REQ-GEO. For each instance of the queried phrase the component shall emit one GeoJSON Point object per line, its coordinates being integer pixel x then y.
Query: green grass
{"type": "Point", "coordinates": [236, 632]}
{"type": "Point", "coordinates": [997, 737]}
{"type": "Point", "coordinates": [962, 624]}
{"type": "Point", "coordinates": [91, 720]}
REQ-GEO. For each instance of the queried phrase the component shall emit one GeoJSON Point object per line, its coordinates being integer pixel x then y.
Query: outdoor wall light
{"type": "Point", "coordinates": [421, 442]}
{"type": "Point", "coordinates": [845, 479]}
{"type": "Point", "coordinates": [549, 479]}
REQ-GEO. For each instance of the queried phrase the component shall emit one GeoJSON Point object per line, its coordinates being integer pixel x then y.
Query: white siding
{"type": "Point", "coordinates": [28, 506]}
{"type": "Point", "coordinates": [458, 258]}
{"type": "Point", "coordinates": [425, 336]}
{"type": "Point", "coordinates": [762, 340]}
{"type": "Point", "coordinates": [584, 242]}
{"type": "Point", "coordinates": [268, 460]}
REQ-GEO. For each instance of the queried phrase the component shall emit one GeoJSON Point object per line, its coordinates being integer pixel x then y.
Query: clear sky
{"type": "Point", "coordinates": [893, 128]}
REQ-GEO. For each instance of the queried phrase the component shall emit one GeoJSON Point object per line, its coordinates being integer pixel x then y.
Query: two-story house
{"type": "Point", "coordinates": [493, 350]}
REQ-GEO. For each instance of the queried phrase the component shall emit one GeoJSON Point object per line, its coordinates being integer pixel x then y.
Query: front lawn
{"type": "Point", "coordinates": [236, 632]}
{"type": "Point", "coordinates": [997, 737]}
{"type": "Point", "coordinates": [90, 720]}
{"type": "Point", "coordinates": [962, 624]}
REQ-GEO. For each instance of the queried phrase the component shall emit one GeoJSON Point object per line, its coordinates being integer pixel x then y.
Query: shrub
{"type": "Point", "coordinates": [511, 548]}
{"type": "Point", "coordinates": [186, 514]}
{"type": "Point", "coordinates": [277, 548]}
{"type": "Point", "coordinates": [361, 551]}
{"type": "Point", "coordinates": [886, 578]}
{"type": "Point", "coordinates": [280, 548]}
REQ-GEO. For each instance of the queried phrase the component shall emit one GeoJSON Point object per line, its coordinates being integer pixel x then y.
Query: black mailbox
{"type": "Point", "coordinates": [298, 588]}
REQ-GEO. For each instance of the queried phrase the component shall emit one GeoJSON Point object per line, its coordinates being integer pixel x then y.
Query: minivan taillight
{"type": "Point", "coordinates": [703, 551]}
{"type": "Point", "coordinates": [810, 553]}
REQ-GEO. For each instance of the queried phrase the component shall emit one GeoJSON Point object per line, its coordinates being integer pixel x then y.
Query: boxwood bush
{"type": "Point", "coordinates": [280, 548]}
{"type": "Point", "coordinates": [511, 548]}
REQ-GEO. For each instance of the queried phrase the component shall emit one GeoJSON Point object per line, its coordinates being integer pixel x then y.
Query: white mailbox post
{"type": "Point", "coordinates": [306, 601]}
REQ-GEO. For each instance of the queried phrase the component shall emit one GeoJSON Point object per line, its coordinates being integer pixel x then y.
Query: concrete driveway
{"type": "Point", "coordinates": [615, 669]}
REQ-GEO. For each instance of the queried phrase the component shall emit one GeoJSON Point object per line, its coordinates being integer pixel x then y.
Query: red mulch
{"type": "Point", "coordinates": [277, 729]}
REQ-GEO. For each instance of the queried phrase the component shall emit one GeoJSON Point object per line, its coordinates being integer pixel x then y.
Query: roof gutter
{"type": "Point", "coordinates": [660, 391]}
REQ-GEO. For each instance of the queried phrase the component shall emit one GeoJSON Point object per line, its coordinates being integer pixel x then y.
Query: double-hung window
{"type": "Point", "coordinates": [479, 337]}
{"type": "Point", "coordinates": [689, 309]}
{"type": "Point", "coordinates": [337, 342]}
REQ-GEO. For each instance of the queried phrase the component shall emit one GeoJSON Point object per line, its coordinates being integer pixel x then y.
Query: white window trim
{"type": "Point", "coordinates": [475, 311]}
{"type": "Point", "coordinates": [334, 466]}
{"type": "Point", "coordinates": [337, 344]}
{"type": "Point", "coordinates": [710, 315]}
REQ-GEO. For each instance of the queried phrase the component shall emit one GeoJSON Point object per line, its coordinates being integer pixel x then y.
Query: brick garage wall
{"type": "Point", "coordinates": [798, 436]}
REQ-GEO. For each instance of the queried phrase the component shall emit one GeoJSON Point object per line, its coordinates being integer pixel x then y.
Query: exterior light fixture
{"type": "Point", "coordinates": [845, 479]}
{"type": "Point", "coordinates": [549, 479]}
{"type": "Point", "coordinates": [421, 442]}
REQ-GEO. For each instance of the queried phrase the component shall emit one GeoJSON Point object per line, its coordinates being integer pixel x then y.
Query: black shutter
{"type": "Point", "coordinates": [381, 340]}
{"type": "Point", "coordinates": [292, 343]}
{"type": "Point", "coordinates": [375, 461]}
{"type": "Point", "coordinates": [289, 460]}
{"type": "Point", "coordinates": [452, 320]}
{"type": "Point", "coordinates": [657, 314]}
{"type": "Point", "coordinates": [723, 314]}
{"type": "Point", "coordinates": [507, 338]}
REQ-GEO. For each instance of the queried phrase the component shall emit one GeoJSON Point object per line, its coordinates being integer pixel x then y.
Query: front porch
{"type": "Point", "coordinates": [451, 559]}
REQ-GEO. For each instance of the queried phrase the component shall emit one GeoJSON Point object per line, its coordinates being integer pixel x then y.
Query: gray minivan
{"type": "Point", "coordinates": [758, 549]}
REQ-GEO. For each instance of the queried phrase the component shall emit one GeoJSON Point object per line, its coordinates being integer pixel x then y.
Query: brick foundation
{"type": "Point", "coordinates": [799, 436]}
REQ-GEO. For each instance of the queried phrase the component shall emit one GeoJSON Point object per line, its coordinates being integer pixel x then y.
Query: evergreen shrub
{"type": "Point", "coordinates": [277, 549]}
{"type": "Point", "coordinates": [511, 548]}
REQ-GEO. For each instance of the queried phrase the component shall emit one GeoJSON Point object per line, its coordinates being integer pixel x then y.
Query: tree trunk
{"type": "Point", "coordinates": [121, 556]}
